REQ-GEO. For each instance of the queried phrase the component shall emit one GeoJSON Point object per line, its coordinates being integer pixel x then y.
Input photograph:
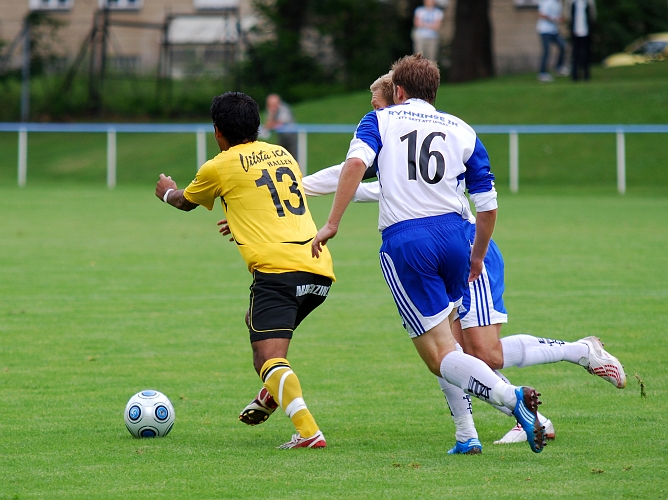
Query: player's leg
{"type": "Point", "coordinates": [466, 435]}
{"type": "Point", "coordinates": [481, 316]}
{"type": "Point", "coordinates": [526, 350]}
{"type": "Point", "coordinates": [482, 313]}
{"type": "Point", "coordinates": [274, 310]}
{"type": "Point", "coordinates": [478, 328]}
{"type": "Point", "coordinates": [263, 406]}
{"type": "Point", "coordinates": [475, 377]}
{"type": "Point", "coordinates": [425, 289]}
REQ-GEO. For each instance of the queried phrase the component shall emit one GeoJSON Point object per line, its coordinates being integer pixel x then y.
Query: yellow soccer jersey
{"type": "Point", "coordinates": [261, 191]}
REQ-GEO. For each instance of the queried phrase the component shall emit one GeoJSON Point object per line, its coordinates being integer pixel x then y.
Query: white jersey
{"type": "Point", "coordinates": [552, 9]}
{"type": "Point", "coordinates": [326, 181]}
{"type": "Point", "coordinates": [424, 159]}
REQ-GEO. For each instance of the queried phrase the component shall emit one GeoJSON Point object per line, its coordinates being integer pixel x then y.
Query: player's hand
{"type": "Point", "coordinates": [224, 228]}
{"type": "Point", "coordinates": [164, 183]}
{"type": "Point", "coordinates": [476, 270]}
{"type": "Point", "coordinates": [324, 235]}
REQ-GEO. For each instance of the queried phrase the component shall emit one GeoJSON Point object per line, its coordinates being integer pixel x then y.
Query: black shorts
{"type": "Point", "coordinates": [279, 302]}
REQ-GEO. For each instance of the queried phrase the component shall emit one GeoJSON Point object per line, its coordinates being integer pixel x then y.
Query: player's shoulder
{"type": "Point", "coordinates": [455, 122]}
{"type": "Point", "coordinates": [249, 154]}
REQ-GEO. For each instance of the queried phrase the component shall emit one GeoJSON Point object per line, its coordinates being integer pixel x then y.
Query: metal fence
{"type": "Point", "coordinates": [302, 130]}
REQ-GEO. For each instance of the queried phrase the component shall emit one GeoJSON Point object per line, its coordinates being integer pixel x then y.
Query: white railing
{"type": "Point", "coordinates": [302, 131]}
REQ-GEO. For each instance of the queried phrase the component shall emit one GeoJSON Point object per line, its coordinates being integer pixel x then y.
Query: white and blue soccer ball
{"type": "Point", "coordinates": [149, 413]}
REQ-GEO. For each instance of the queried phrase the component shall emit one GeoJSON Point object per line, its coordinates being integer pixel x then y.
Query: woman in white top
{"type": "Point", "coordinates": [426, 36]}
{"type": "Point", "coordinates": [549, 19]}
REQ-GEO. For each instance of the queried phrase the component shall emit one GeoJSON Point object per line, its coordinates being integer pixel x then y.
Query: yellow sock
{"type": "Point", "coordinates": [283, 384]}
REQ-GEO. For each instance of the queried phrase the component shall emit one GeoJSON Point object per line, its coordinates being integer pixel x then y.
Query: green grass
{"type": "Point", "coordinates": [104, 293]}
{"type": "Point", "coordinates": [107, 293]}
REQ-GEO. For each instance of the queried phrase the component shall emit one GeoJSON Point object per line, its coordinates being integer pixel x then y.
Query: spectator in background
{"type": "Point", "coordinates": [426, 25]}
{"type": "Point", "coordinates": [279, 114]}
{"type": "Point", "coordinates": [549, 19]}
{"type": "Point", "coordinates": [581, 15]}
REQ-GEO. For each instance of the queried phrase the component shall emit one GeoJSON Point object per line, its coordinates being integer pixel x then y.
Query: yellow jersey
{"type": "Point", "coordinates": [260, 187]}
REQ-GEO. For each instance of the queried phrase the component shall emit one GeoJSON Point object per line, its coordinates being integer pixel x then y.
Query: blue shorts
{"type": "Point", "coordinates": [482, 303]}
{"type": "Point", "coordinates": [426, 264]}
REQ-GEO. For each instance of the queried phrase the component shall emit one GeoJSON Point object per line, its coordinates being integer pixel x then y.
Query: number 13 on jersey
{"type": "Point", "coordinates": [281, 172]}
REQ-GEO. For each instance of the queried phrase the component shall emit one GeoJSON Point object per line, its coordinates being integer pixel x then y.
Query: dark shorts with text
{"type": "Point", "coordinates": [279, 302]}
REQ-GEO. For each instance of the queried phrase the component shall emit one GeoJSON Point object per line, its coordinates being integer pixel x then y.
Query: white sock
{"type": "Point", "coordinates": [541, 418]}
{"type": "Point", "coordinates": [460, 409]}
{"type": "Point", "coordinates": [475, 377]}
{"type": "Point", "coordinates": [526, 350]}
{"type": "Point", "coordinates": [502, 408]}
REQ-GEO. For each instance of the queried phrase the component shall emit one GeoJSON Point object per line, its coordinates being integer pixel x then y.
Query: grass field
{"type": "Point", "coordinates": [107, 293]}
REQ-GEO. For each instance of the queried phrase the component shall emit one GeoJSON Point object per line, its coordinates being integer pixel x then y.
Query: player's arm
{"type": "Point", "coordinates": [167, 190]}
{"type": "Point", "coordinates": [364, 148]}
{"type": "Point", "coordinates": [326, 181]}
{"type": "Point", "coordinates": [351, 176]}
{"type": "Point", "coordinates": [480, 184]}
{"type": "Point", "coordinates": [485, 222]}
{"type": "Point", "coordinates": [367, 192]}
{"type": "Point", "coordinates": [322, 182]}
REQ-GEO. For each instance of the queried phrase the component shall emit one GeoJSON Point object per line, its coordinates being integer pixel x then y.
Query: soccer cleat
{"type": "Point", "coordinates": [315, 441]}
{"type": "Point", "coordinates": [259, 409]}
{"type": "Point", "coordinates": [471, 447]}
{"type": "Point", "coordinates": [517, 434]}
{"type": "Point", "coordinates": [601, 363]}
{"type": "Point", "coordinates": [526, 413]}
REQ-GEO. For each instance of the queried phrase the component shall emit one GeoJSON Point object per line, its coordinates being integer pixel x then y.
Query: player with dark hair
{"type": "Point", "coordinates": [425, 255]}
{"type": "Point", "coordinates": [259, 185]}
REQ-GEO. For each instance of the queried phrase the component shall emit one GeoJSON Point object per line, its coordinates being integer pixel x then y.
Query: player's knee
{"type": "Point", "coordinates": [492, 356]}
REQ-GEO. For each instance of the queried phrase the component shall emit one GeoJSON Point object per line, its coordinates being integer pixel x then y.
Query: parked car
{"type": "Point", "coordinates": [646, 49]}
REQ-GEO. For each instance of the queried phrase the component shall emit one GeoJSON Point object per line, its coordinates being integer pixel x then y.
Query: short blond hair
{"type": "Point", "coordinates": [383, 85]}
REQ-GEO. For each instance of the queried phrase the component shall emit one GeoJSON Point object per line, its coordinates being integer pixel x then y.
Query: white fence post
{"type": "Point", "coordinates": [201, 147]}
{"type": "Point", "coordinates": [111, 158]}
{"type": "Point", "coordinates": [514, 162]}
{"type": "Point", "coordinates": [302, 151]}
{"type": "Point", "coordinates": [23, 156]}
{"type": "Point", "coordinates": [621, 162]}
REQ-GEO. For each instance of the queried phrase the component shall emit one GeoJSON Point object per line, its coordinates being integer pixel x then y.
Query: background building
{"type": "Point", "coordinates": [199, 33]}
{"type": "Point", "coordinates": [515, 44]}
{"type": "Point", "coordinates": [203, 33]}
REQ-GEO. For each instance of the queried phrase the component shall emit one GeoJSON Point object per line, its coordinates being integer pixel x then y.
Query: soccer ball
{"type": "Point", "coordinates": [149, 414]}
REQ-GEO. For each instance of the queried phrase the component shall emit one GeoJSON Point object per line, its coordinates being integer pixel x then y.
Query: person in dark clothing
{"type": "Point", "coordinates": [581, 16]}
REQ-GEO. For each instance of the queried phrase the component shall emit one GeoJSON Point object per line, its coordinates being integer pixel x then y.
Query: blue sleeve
{"type": "Point", "coordinates": [367, 131]}
{"type": "Point", "coordinates": [479, 178]}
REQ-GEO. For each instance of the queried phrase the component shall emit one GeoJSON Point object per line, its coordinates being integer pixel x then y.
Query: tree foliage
{"type": "Point", "coordinates": [622, 21]}
{"type": "Point", "coordinates": [277, 63]}
{"type": "Point", "coordinates": [366, 37]}
{"type": "Point", "coordinates": [471, 51]}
